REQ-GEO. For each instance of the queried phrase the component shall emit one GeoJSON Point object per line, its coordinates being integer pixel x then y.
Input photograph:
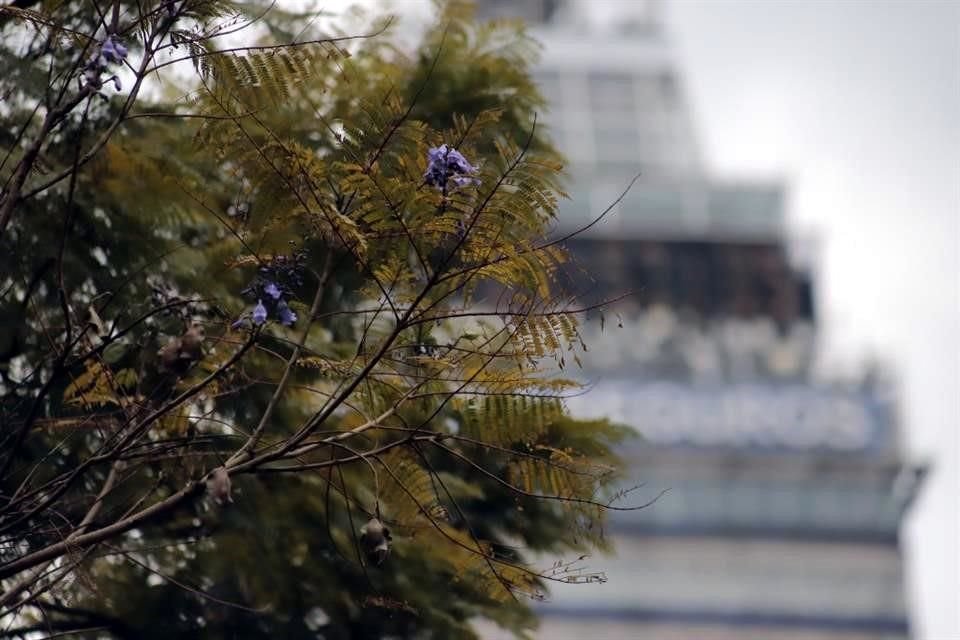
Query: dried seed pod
{"type": "Point", "coordinates": [218, 486]}
{"type": "Point", "coordinates": [375, 540]}
{"type": "Point", "coordinates": [170, 355]}
{"type": "Point", "coordinates": [182, 353]}
{"type": "Point", "coordinates": [191, 343]}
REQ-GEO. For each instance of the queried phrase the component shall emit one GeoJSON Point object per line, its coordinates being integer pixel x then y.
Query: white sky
{"type": "Point", "coordinates": [857, 106]}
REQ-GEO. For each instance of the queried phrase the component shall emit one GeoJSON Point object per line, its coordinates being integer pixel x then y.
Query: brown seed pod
{"type": "Point", "coordinates": [375, 540]}
{"type": "Point", "coordinates": [182, 353]}
{"type": "Point", "coordinates": [218, 486]}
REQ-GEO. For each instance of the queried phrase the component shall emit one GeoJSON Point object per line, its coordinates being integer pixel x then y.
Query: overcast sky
{"type": "Point", "coordinates": [857, 106]}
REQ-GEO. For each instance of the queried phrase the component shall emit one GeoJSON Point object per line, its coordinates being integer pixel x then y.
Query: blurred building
{"type": "Point", "coordinates": [784, 495]}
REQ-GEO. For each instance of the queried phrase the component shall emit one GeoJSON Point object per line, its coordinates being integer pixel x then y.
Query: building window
{"type": "Point", "coordinates": [616, 142]}
{"type": "Point", "coordinates": [612, 92]}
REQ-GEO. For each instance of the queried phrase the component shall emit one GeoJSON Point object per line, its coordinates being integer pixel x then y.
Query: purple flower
{"type": "Point", "coordinates": [444, 163]}
{"type": "Point", "coordinates": [437, 154]}
{"type": "Point", "coordinates": [273, 290]}
{"type": "Point", "coordinates": [457, 163]}
{"type": "Point", "coordinates": [259, 313]}
{"type": "Point", "coordinates": [113, 51]}
{"type": "Point", "coordinates": [287, 315]}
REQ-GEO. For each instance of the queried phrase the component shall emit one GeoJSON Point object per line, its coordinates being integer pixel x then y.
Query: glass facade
{"type": "Point", "coordinates": [618, 122]}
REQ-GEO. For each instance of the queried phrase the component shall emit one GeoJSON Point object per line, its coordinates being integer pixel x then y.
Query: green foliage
{"type": "Point", "coordinates": [421, 387]}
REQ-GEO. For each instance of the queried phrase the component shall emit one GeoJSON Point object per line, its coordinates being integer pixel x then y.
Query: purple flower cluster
{"type": "Point", "coordinates": [274, 298]}
{"type": "Point", "coordinates": [111, 51]}
{"type": "Point", "coordinates": [445, 163]}
{"type": "Point", "coordinates": [272, 285]}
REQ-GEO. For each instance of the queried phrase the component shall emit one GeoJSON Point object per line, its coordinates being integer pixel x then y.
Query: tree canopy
{"type": "Point", "coordinates": [283, 349]}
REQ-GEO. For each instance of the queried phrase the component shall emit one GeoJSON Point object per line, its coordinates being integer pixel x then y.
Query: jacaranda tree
{"type": "Point", "coordinates": [282, 349]}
